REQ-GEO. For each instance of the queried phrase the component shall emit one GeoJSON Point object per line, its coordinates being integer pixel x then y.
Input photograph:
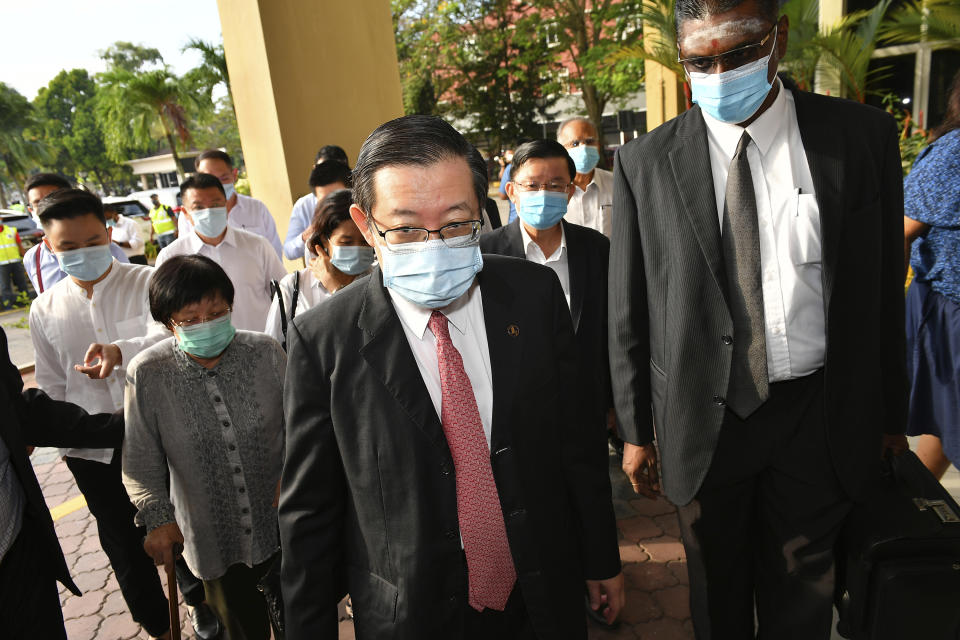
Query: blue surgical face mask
{"type": "Point", "coordinates": [351, 260]}
{"type": "Point", "coordinates": [207, 339]}
{"type": "Point", "coordinates": [733, 96]}
{"type": "Point", "coordinates": [229, 189]}
{"type": "Point", "coordinates": [541, 209]}
{"type": "Point", "coordinates": [585, 157]}
{"type": "Point", "coordinates": [430, 274]}
{"type": "Point", "coordinates": [86, 264]}
{"type": "Point", "coordinates": [210, 222]}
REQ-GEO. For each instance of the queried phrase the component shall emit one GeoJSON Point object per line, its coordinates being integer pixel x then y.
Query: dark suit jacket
{"type": "Point", "coordinates": [369, 486]}
{"type": "Point", "coordinates": [667, 289]}
{"type": "Point", "coordinates": [588, 252]}
{"type": "Point", "coordinates": [32, 418]}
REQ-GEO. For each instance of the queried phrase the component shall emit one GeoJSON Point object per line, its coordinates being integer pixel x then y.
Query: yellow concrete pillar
{"type": "Point", "coordinates": [665, 99]}
{"type": "Point", "coordinates": [304, 74]}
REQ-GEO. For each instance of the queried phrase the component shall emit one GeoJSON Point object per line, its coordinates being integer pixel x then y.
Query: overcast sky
{"type": "Point", "coordinates": [38, 38]}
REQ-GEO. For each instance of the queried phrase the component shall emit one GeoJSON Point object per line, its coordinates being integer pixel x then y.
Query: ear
{"type": "Point", "coordinates": [236, 173]}
{"type": "Point", "coordinates": [783, 33]}
{"type": "Point", "coordinates": [511, 191]}
{"type": "Point", "coordinates": [360, 219]}
{"type": "Point", "coordinates": [571, 189]}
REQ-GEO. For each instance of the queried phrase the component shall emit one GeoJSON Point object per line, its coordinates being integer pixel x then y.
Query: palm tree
{"type": "Point", "coordinates": [213, 69]}
{"type": "Point", "coordinates": [19, 151]}
{"type": "Point", "coordinates": [935, 21]}
{"type": "Point", "coordinates": [135, 107]}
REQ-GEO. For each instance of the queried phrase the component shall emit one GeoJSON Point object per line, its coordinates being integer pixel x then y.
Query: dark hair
{"type": "Point", "coordinates": [46, 180]}
{"type": "Point", "coordinates": [184, 280]}
{"type": "Point", "coordinates": [698, 9]}
{"type": "Point", "coordinates": [413, 141]}
{"type": "Point", "coordinates": [332, 152]}
{"type": "Point", "coordinates": [329, 214]}
{"type": "Point", "coordinates": [541, 149]}
{"type": "Point", "coordinates": [109, 206]}
{"type": "Point", "coordinates": [65, 204]}
{"type": "Point", "coordinates": [215, 154]}
{"type": "Point", "coordinates": [201, 181]}
{"type": "Point", "coordinates": [329, 173]}
{"type": "Point", "coordinates": [951, 119]}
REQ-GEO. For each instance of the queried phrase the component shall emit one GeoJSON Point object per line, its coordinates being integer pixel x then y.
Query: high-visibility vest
{"type": "Point", "coordinates": [19, 207]}
{"type": "Point", "coordinates": [162, 222]}
{"type": "Point", "coordinates": [9, 251]}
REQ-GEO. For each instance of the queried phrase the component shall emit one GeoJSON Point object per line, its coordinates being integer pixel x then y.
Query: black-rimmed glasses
{"type": "Point", "coordinates": [455, 234]}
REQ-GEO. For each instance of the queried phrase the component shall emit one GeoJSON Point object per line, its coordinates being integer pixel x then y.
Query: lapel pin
{"type": "Point", "coordinates": [513, 330]}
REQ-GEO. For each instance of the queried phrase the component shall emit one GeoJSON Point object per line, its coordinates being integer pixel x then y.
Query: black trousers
{"type": "Point", "coordinates": [29, 596]}
{"type": "Point", "coordinates": [122, 541]}
{"type": "Point", "coordinates": [759, 535]}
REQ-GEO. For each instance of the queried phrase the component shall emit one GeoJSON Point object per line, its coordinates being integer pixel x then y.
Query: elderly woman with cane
{"type": "Point", "coordinates": [203, 409]}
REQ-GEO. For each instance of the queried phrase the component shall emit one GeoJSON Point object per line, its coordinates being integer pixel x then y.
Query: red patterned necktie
{"type": "Point", "coordinates": [490, 569]}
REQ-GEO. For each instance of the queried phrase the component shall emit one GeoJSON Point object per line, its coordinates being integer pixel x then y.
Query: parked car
{"type": "Point", "coordinates": [30, 233]}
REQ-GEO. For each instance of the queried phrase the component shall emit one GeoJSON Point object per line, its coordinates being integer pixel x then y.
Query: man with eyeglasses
{"type": "Point", "coordinates": [592, 202]}
{"type": "Point", "coordinates": [756, 306]}
{"type": "Point", "coordinates": [436, 465]}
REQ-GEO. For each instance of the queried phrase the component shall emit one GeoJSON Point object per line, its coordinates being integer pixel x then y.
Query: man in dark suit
{"type": "Point", "coordinates": [31, 561]}
{"type": "Point", "coordinates": [436, 463]}
{"type": "Point", "coordinates": [756, 303]}
{"type": "Point", "coordinates": [540, 186]}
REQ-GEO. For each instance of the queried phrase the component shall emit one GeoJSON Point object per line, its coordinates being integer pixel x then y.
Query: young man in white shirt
{"type": "Point", "coordinates": [592, 202]}
{"type": "Point", "coordinates": [325, 178]}
{"type": "Point", "coordinates": [245, 212]}
{"type": "Point", "coordinates": [100, 311]}
{"type": "Point", "coordinates": [248, 259]}
{"type": "Point", "coordinates": [124, 232]}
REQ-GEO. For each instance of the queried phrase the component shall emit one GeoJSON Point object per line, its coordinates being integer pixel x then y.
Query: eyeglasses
{"type": "Point", "coordinates": [729, 59]}
{"type": "Point", "coordinates": [538, 186]}
{"type": "Point", "coordinates": [455, 234]}
{"type": "Point", "coordinates": [190, 322]}
{"type": "Point", "coordinates": [573, 144]}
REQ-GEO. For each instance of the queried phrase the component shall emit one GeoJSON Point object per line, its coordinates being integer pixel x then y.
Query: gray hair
{"type": "Point", "coordinates": [564, 124]}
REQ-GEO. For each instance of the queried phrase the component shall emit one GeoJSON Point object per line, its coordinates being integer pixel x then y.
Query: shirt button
{"type": "Point", "coordinates": [242, 490]}
{"type": "Point", "coordinates": [719, 401]}
{"type": "Point", "coordinates": [217, 399]}
{"type": "Point", "coordinates": [451, 534]}
{"type": "Point", "coordinates": [727, 340]}
{"type": "Point", "coordinates": [211, 374]}
{"type": "Point", "coordinates": [232, 447]}
{"type": "Point", "coordinates": [248, 531]}
{"type": "Point", "coordinates": [226, 423]}
{"type": "Point", "coordinates": [236, 469]}
{"type": "Point", "coordinates": [245, 510]}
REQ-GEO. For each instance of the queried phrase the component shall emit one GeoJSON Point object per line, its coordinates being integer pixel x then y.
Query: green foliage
{"type": "Point", "coordinates": [802, 58]}
{"type": "Point", "coordinates": [658, 42]}
{"type": "Point", "coordinates": [924, 20]}
{"type": "Point", "coordinates": [20, 150]}
{"type": "Point", "coordinates": [912, 138]}
{"type": "Point", "coordinates": [130, 57]}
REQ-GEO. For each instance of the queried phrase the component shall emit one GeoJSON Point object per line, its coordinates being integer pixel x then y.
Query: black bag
{"type": "Point", "coordinates": [898, 559]}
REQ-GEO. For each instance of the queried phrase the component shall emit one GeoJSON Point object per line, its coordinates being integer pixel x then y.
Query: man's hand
{"type": "Point", "coordinates": [607, 597]}
{"type": "Point", "coordinates": [159, 543]}
{"type": "Point", "coordinates": [100, 361]}
{"type": "Point", "coordinates": [894, 443]}
{"type": "Point", "coordinates": [640, 465]}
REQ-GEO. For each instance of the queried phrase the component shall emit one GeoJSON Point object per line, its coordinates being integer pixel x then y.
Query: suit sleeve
{"type": "Point", "coordinates": [894, 374]}
{"type": "Point", "coordinates": [628, 321]}
{"type": "Point", "coordinates": [585, 457]}
{"type": "Point", "coordinates": [312, 498]}
{"type": "Point", "coordinates": [54, 423]}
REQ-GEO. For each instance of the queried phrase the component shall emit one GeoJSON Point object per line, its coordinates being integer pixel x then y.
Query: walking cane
{"type": "Point", "coordinates": [172, 598]}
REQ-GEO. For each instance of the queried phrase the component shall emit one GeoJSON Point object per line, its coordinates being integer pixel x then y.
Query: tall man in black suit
{"type": "Point", "coordinates": [541, 184]}
{"type": "Point", "coordinates": [436, 464]}
{"type": "Point", "coordinates": [756, 303]}
{"type": "Point", "coordinates": [31, 561]}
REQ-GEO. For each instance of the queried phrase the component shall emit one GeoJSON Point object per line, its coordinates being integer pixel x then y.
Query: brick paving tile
{"type": "Point", "coordinates": [679, 569]}
{"type": "Point", "coordinates": [622, 632]}
{"type": "Point", "coordinates": [113, 604]}
{"type": "Point", "coordinates": [91, 580]}
{"type": "Point", "coordinates": [648, 507]}
{"type": "Point", "coordinates": [119, 626]}
{"type": "Point", "coordinates": [649, 576]}
{"type": "Point", "coordinates": [631, 552]}
{"type": "Point", "coordinates": [639, 528]}
{"type": "Point", "coordinates": [70, 544]}
{"type": "Point", "coordinates": [70, 528]}
{"type": "Point", "coordinates": [90, 562]}
{"type": "Point", "coordinates": [663, 549]}
{"type": "Point", "coordinates": [57, 492]}
{"type": "Point", "coordinates": [663, 629]}
{"type": "Point", "coordinates": [640, 607]}
{"type": "Point", "coordinates": [81, 628]}
{"type": "Point", "coordinates": [674, 601]}
{"type": "Point", "coordinates": [80, 606]}
{"type": "Point", "coordinates": [669, 524]}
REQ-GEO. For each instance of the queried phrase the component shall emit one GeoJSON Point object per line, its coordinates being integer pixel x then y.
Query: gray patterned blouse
{"type": "Point", "coordinates": [217, 435]}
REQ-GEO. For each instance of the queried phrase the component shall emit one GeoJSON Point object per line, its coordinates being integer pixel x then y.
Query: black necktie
{"type": "Point", "coordinates": [749, 387]}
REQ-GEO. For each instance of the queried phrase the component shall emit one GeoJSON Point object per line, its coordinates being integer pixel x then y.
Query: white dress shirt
{"type": "Point", "coordinates": [126, 230]}
{"type": "Point", "coordinates": [250, 262]}
{"type": "Point", "coordinates": [593, 207]}
{"type": "Point", "coordinates": [789, 224]}
{"type": "Point", "coordinates": [249, 214]}
{"type": "Point", "coordinates": [312, 293]}
{"type": "Point", "coordinates": [557, 261]}
{"type": "Point", "coordinates": [63, 325]}
{"type": "Point", "coordinates": [468, 332]}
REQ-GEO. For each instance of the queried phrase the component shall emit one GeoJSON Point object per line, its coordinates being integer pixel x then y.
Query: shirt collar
{"type": "Point", "coordinates": [115, 268]}
{"type": "Point", "coordinates": [196, 243]}
{"type": "Point", "coordinates": [762, 131]}
{"type": "Point", "coordinates": [527, 241]}
{"type": "Point", "coordinates": [416, 317]}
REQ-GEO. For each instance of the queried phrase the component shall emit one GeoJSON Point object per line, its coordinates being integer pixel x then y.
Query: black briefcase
{"type": "Point", "coordinates": [898, 559]}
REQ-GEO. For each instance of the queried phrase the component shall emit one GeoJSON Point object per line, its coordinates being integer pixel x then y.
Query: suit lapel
{"type": "Point", "coordinates": [577, 266]}
{"type": "Point", "coordinates": [388, 353]}
{"type": "Point", "coordinates": [515, 240]}
{"type": "Point", "coordinates": [824, 149]}
{"type": "Point", "coordinates": [504, 340]}
{"type": "Point", "coordinates": [690, 161]}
